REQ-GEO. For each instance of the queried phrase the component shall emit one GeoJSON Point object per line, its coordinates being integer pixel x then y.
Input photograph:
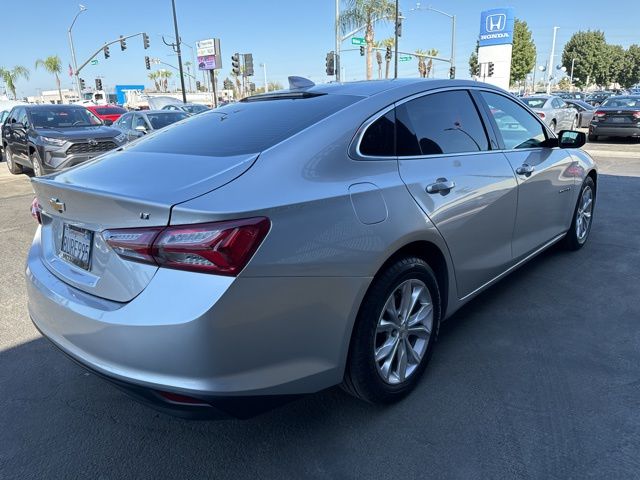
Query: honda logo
{"type": "Point", "coordinates": [496, 22]}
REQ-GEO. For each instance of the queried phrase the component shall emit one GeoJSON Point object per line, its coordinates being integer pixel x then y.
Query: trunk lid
{"type": "Point", "coordinates": [619, 115]}
{"type": "Point", "coordinates": [120, 190]}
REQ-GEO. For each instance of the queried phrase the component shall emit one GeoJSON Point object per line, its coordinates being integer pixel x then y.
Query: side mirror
{"type": "Point", "coordinates": [141, 129]}
{"type": "Point", "coordinates": [571, 139]}
{"type": "Point", "coordinates": [107, 122]}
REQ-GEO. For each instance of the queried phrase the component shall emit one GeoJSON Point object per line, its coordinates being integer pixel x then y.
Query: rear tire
{"type": "Point", "coordinates": [578, 234]}
{"type": "Point", "coordinates": [13, 167]}
{"type": "Point", "coordinates": [387, 357]}
{"type": "Point", "coordinates": [593, 138]}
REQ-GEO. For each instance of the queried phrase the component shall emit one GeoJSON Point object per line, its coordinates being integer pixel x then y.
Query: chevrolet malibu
{"type": "Point", "coordinates": [298, 239]}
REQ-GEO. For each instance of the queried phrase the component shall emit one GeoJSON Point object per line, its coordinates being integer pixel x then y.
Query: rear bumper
{"type": "Point", "coordinates": [203, 336]}
{"type": "Point", "coordinates": [614, 130]}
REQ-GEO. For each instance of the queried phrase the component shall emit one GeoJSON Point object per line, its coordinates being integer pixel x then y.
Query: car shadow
{"type": "Point", "coordinates": [524, 383]}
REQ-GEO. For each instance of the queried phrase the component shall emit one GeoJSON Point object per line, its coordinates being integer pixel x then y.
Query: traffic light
{"type": "Point", "coordinates": [106, 52]}
{"type": "Point", "coordinates": [82, 86]}
{"type": "Point", "coordinates": [331, 64]}
{"type": "Point", "coordinates": [362, 51]}
{"type": "Point", "coordinates": [476, 70]}
{"type": "Point", "coordinates": [452, 73]}
{"type": "Point", "coordinates": [387, 54]}
{"type": "Point", "coordinates": [491, 69]}
{"type": "Point", "coordinates": [235, 63]}
{"type": "Point", "coordinates": [145, 40]}
{"type": "Point", "coordinates": [147, 63]}
{"type": "Point", "coordinates": [123, 43]}
{"type": "Point", "coordinates": [248, 65]}
{"type": "Point", "coordinates": [198, 85]}
{"type": "Point", "coordinates": [98, 84]}
{"type": "Point", "coordinates": [252, 87]}
{"type": "Point", "coordinates": [399, 25]}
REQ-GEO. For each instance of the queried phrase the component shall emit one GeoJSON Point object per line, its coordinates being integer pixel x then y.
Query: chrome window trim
{"type": "Point", "coordinates": [354, 147]}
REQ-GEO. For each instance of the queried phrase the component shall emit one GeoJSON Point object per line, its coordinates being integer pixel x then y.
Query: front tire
{"type": "Point", "coordinates": [13, 167]}
{"type": "Point", "coordinates": [394, 333]}
{"type": "Point", "coordinates": [582, 216]}
{"type": "Point", "coordinates": [36, 163]}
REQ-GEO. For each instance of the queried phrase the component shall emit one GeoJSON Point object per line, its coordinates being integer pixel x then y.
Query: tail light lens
{"type": "Point", "coordinates": [599, 114]}
{"type": "Point", "coordinates": [222, 248]}
{"type": "Point", "coordinates": [636, 115]}
{"type": "Point", "coordinates": [36, 211]}
{"type": "Point", "coordinates": [541, 114]}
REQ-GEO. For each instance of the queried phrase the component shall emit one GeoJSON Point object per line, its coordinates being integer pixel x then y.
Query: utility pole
{"type": "Point", "coordinates": [73, 52]}
{"type": "Point", "coordinates": [175, 26]}
{"type": "Point", "coordinates": [264, 71]}
{"type": "Point", "coordinates": [573, 62]}
{"type": "Point", "coordinates": [395, 45]}
{"type": "Point", "coordinates": [550, 65]}
{"type": "Point", "coordinates": [338, 41]}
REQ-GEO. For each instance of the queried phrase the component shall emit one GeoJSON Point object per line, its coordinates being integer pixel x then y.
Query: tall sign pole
{"type": "Point", "coordinates": [395, 56]}
{"type": "Point", "coordinates": [175, 26]}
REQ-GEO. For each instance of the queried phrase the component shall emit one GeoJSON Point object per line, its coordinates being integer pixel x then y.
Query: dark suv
{"type": "Point", "coordinates": [47, 138]}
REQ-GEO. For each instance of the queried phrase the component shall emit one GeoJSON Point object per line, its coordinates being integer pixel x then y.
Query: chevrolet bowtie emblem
{"type": "Point", "coordinates": [57, 205]}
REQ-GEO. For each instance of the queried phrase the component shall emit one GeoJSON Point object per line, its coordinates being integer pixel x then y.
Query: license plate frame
{"type": "Point", "coordinates": [618, 120]}
{"type": "Point", "coordinates": [76, 247]}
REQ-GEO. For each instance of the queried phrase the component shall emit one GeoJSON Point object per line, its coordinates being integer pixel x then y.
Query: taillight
{"type": "Point", "coordinates": [223, 248]}
{"type": "Point", "coordinates": [541, 114]}
{"type": "Point", "coordinates": [599, 114]}
{"type": "Point", "coordinates": [636, 115]}
{"type": "Point", "coordinates": [36, 211]}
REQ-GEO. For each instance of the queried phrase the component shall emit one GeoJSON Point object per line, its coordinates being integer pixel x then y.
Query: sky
{"type": "Point", "coordinates": [289, 37]}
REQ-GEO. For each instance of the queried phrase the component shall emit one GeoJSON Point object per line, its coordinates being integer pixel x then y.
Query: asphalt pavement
{"type": "Point", "coordinates": [537, 378]}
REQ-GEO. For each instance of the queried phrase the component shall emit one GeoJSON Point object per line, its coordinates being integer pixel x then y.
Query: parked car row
{"type": "Point", "coordinates": [48, 138]}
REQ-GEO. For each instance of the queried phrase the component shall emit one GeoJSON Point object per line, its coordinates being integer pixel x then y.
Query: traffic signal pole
{"type": "Point", "coordinates": [338, 41]}
{"type": "Point", "coordinates": [178, 51]}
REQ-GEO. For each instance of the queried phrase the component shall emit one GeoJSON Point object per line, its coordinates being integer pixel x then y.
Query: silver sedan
{"type": "Point", "coordinates": [554, 111]}
{"type": "Point", "coordinates": [299, 239]}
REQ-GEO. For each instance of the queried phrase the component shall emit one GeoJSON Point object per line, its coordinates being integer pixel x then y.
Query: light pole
{"type": "Point", "coordinates": [264, 71]}
{"type": "Point", "coordinates": [73, 51]}
{"type": "Point", "coordinates": [573, 62]}
{"type": "Point", "coordinates": [338, 41]}
{"type": "Point", "coordinates": [178, 51]}
{"type": "Point", "coordinates": [453, 30]}
{"type": "Point", "coordinates": [550, 64]}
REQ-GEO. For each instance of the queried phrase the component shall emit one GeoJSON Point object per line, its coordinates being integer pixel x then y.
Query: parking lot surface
{"type": "Point", "coordinates": [537, 378]}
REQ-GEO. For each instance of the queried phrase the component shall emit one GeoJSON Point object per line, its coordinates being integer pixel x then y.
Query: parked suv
{"type": "Point", "coordinates": [48, 138]}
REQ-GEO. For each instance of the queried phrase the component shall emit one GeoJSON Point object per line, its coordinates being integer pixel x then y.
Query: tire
{"type": "Point", "coordinates": [36, 163]}
{"type": "Point", "coordinates": [13, 167]}
{"type": "Point", "coordinates": [364, 375]}
{"type": "Point", "coordinates": [574, 123]}
{"type": "Point", "coordinates": [578, 234]}
{"type": "Point", "coordinates": [554, 126]}
{"type": "Point", "coordinates": [592, 138]}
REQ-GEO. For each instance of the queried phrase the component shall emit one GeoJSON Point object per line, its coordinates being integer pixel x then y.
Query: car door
{"type": "Point", "coordinates": [545, 181]}
{"type": "Point", "coordinates": [468, 191]}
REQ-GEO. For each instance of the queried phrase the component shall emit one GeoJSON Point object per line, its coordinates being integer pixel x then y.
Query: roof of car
{"type": "Point", "coordinates": [52, 106]}
{"type": "Point", "coordinates": [163, 112]}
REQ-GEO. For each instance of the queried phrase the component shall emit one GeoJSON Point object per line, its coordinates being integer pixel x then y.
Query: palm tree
{"type": "Point", "coordinates": [425, 66]}
{"type": "Point", "coordinates": [164, 76]}
{"type": "Point", "coordinates": [155, 76]}
{"type": "Point", "coordinates": [9, 77]}
{"type": "Point", "coordinates": [388, 43]}
{"type": "Point", "coordinates": [52, 64]}
{"type": "Point", "coordinates": [365, 13]}
{"type": "Point", "coordinates": [378, 45]}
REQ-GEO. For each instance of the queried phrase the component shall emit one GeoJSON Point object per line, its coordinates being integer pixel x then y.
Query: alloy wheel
{"type": "Point", "coordinates": [37, 167]}
{"type": "Point", "coordinates": [9, 159]}
{"type": "Point", "coordinates": [403, 331]}
{"type": "Point", "coordinates": [583, 214]}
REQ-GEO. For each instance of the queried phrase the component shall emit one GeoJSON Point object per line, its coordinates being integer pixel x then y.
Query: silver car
{"type": "Point", "coordinates": [299, 239]}
{"type": "Point", "coordinates": [554, 111]}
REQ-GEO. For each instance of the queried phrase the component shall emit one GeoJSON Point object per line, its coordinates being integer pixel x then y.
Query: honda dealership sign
{"type": "Point", "coordinates": [495, 45]}
{"type": "Point", "coordinates": [496, 27]}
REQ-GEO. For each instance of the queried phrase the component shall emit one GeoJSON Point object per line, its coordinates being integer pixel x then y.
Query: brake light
{"type": "Point", "coordinates": [36, 211]}
{"type": "Point", "coordinates": [636, 115]}
{"type": "Point", "coordinates": [222, 248]}
{"type": "Point", "coordinates": [599, 114]}
{"type": "Point", "coordinates": [541, 114]}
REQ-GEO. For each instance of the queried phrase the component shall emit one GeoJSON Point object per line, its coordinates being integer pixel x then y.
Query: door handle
{"type": "Point", "coordinates": [441, 185]}
{"type": "Point", "coordinates": [525, 169]}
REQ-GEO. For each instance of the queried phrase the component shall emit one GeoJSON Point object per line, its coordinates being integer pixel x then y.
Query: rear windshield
{"type": "Point", "coordinates": [195, 108]}
{"type": "Point", "coordinates": [622, 102]}
{"type": "Point", "coordinates": [534, 102]}
{"type": "Point", "coordinates": [161, 120]}
{"type": "Point", "coordinates": [244, 127]}
{"type": "Point", "coordinates": [110, 110]}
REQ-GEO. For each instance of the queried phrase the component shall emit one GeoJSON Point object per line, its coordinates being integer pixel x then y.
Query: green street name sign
{"type": "Point", "coordinates": [405, 58]}
{"type": "Point", "coordinates": [94, 62]}
{"type": "Point", "coordinates": [358, 41]}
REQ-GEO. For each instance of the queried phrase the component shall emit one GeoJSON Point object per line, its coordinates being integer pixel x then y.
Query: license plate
{"type": "Point", "coordinates": [76, 245]}
{"type": "Point", "coordinates": [618, 119]}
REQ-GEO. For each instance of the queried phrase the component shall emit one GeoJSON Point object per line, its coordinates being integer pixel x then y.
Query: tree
{"type": "Point", "coordinates": [630, 74]}
{"type": "Point", "coordinates": [616, 60]}
{"type": "Point", "coordinates": [155, 77]}
{"type": "Point", "coordinates": [564, 84]}
{"type": "Point", "coordinates": [388, 43]}
{"type": "Point", "coordinates": [10, 77]}
{"type": "Point", "coordinates": [590, 52]}
{"type": "Point", "coordinates": [473, 61]}
{"type": "Point", "coordinates": [523, 58]}
{"type": "Point", "coordinates": [164, 76]}
{"type": "Point", "coordinates": [52, 64]}
{"type": "Point", "coordinates": [365, 13]}
{"type": "Point", "coordinates": [425, 66]}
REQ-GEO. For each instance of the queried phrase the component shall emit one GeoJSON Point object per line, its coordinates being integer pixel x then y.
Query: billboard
{"type": "Point", "coordinates": [208, 52]}
{"type": "Point", "coordinates": [496, 27]}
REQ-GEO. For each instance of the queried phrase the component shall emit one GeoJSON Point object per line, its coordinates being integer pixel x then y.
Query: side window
{"type": "Point", "coordinates": [139, 122]}
{"type": "Point", "coordinates": [518, 128]}
{"type": "Point", "coordinates": [125, 121]}
{"type": "Point", "coordinates": [556, 103]}
{"type": "Point", "coordinates": [378, 139]}
{"type": "Point", "coordinates": [21, 116]}
{"type": "Point", "coordinates": [440, 123]}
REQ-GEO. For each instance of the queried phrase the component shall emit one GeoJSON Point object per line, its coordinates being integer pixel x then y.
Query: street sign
{"type": "Point", "coordinates": [405, 58]}
{"type": "Point", "coordinates": [94, 62]}
{"type": "Point", "coordinates": [358, 41]}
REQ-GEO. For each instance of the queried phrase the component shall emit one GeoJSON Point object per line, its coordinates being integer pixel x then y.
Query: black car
{"type": "Point", "coordinates": [571, 95]}
{"type": "Point", "coordinates": [585, 112]}
{"type": "Point", "coordinates": [596, 98]}
{"type": "Point", "coordinates": [616, 117]}
{"type": "Point", "coordinates": [47, 138]}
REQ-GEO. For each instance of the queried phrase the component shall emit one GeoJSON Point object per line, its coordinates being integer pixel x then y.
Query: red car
{"type": "Point", "coordinates": [107, 112]}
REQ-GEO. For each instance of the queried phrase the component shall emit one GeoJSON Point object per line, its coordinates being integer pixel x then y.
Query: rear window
{"type": "Point", "coordinates": [110, 110]}
{"type": "Point", "coordinates": [161, 120]}
{"type": "Point", "coordinates": [622, 102]}
{"type": "Point", "coordinates": [534, 102]}
{"type": "Point", "coordinates": [244, 127]}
